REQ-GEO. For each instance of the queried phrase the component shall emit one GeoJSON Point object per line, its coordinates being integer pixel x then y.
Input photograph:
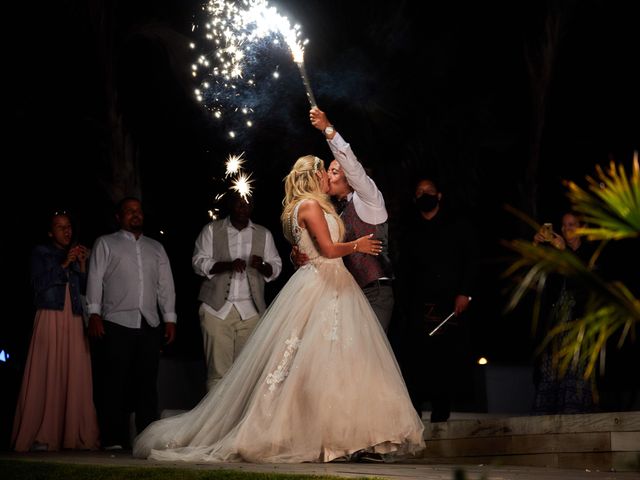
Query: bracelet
{"type": "Point", "coordinates": [355, 247]}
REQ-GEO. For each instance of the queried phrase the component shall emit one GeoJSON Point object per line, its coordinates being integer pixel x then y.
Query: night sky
{"type": "Point", "coordinates": [75, 69]}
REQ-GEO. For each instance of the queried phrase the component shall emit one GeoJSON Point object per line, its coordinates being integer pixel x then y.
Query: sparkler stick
{"type": "Point", "coordinates": [297, 52]}
{"type": "Point", "coordinates": [307, 85]}
{"type": "Point", "coordinates": [443, 322]}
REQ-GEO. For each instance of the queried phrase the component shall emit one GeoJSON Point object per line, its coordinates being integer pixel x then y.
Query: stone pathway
{"type": "Point", "coordinates": [395, 471]}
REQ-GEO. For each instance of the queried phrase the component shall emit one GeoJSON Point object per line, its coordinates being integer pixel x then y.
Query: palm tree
{"type": "Point", "coordinates": [611, 205]}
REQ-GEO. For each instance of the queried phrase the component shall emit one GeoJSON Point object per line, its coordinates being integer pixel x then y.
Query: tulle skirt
{"type": "Point", "coordinates": [317, 380]}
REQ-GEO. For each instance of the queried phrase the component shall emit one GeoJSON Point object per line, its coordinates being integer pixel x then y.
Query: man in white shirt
{"type": "Point", "coordinates": [129, 281]}
{"type": "Point", "coordinates": [236, 257]}
{"type": "Point", "coordinates": [364, 213]}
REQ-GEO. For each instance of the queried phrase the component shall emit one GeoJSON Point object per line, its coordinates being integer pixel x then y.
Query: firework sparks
{"type": "Point", "coordinates": [233, 164]}
{"type": "Point", "coordinates": [242, 185]}
{"type": "Point", "coordinates": [230, 34]}
{"type": "Point", "coordinates": [307, 85]}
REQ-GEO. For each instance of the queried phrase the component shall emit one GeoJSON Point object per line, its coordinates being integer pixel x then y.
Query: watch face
{"type": "Point", "coordinates": [328, 130]}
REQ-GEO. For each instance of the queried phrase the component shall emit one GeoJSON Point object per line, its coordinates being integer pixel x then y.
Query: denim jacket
{"type": "Point", "coordinates": [49, 279]}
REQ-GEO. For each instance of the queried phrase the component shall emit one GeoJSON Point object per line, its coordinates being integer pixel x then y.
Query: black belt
{"type": "Point", "coordinates": [381, 282]}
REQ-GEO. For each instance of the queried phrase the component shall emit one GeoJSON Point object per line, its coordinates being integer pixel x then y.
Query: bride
{"type": "Point", "coordinates": [317, 379]}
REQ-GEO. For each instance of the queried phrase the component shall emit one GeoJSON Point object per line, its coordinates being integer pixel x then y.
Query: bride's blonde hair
{"type": "Point", "coordinates": [302, 183]}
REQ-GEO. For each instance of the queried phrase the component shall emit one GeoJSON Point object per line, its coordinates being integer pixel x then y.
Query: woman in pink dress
{"type": "Point", "coordinates": [55, 407]}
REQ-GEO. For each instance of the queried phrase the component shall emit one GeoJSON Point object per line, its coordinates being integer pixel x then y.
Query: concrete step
{"type": "Point", "coordinates": [601, 441]}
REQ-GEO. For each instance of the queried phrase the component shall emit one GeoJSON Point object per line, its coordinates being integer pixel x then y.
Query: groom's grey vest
{"type": "Point", "coordinates": [215, 291]}
{"type": "Point", "coordinates": [365, 268]}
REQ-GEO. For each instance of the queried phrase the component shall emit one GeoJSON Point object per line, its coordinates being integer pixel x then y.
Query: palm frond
{"type": "Point", "coordinates": [612, 203]}
{"type": "Point", "coordinates": [612, 207]}
{"type": "Point", "coordinates": [611, 307]}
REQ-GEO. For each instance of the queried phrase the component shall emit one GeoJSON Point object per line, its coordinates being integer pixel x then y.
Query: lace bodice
{"type": "Point", "coordinates": [304, 241]}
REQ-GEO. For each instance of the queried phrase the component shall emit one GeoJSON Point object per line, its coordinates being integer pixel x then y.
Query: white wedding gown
{"type": "Point", "coordinates": [317, 380]}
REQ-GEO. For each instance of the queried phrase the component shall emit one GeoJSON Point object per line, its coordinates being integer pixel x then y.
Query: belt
{"type": "Point", "coordinates": [381, 282]}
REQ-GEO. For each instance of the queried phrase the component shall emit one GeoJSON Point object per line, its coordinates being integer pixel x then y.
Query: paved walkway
{"type": "Point", "coordinates": [399, 471]}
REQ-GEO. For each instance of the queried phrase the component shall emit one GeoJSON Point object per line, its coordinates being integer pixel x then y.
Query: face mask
{"type": "Point", "coordinates": [427, 202]}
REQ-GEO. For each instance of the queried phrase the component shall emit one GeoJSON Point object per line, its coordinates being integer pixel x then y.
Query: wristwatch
{"type": "Point", "coordinates": [329, 130]}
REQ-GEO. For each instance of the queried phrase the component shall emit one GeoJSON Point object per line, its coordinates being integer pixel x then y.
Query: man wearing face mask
{"type": "Point", "coordinates": [438, 271]}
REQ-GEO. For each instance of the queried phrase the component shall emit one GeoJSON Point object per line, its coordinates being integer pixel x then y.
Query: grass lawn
{"type": "Point", "coordinates": [33, 470]}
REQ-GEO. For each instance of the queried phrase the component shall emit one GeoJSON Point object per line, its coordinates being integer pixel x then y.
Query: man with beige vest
{"type": "Point", "coordinates": [236, 257]}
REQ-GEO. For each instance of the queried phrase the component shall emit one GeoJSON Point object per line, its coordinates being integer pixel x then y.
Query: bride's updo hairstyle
{"type": "Point", "coordinates": [303, 183]}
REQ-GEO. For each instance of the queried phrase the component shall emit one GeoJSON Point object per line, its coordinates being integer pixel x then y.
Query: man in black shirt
{"type": "Point", "coordinates": [438, 269]}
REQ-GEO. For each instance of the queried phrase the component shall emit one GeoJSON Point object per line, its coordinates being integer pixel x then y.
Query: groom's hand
{"type": "Point", "coordinates": [297, 257]}
{"type": "Point", "coordinates": [318, 119]}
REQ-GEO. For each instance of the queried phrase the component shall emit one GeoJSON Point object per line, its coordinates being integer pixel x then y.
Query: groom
{"type": "Point", "coordinates": [361, 207]}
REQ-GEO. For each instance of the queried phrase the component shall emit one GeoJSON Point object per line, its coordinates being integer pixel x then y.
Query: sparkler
{"type": "Point", "coordinates": [231, 31]}
{"type": "Point", "coordinates": [233, 164]}
{"type": "Point", "coordinates": [307, 85]}
{"type": "Point", "coordinates": [242, 185]}
{"type": "Point", "coordinates": [241, 182]}
{"type": "Point", "coordinates": [297, 52]}
{"type": "Point", "coordinates": [443, 322]}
